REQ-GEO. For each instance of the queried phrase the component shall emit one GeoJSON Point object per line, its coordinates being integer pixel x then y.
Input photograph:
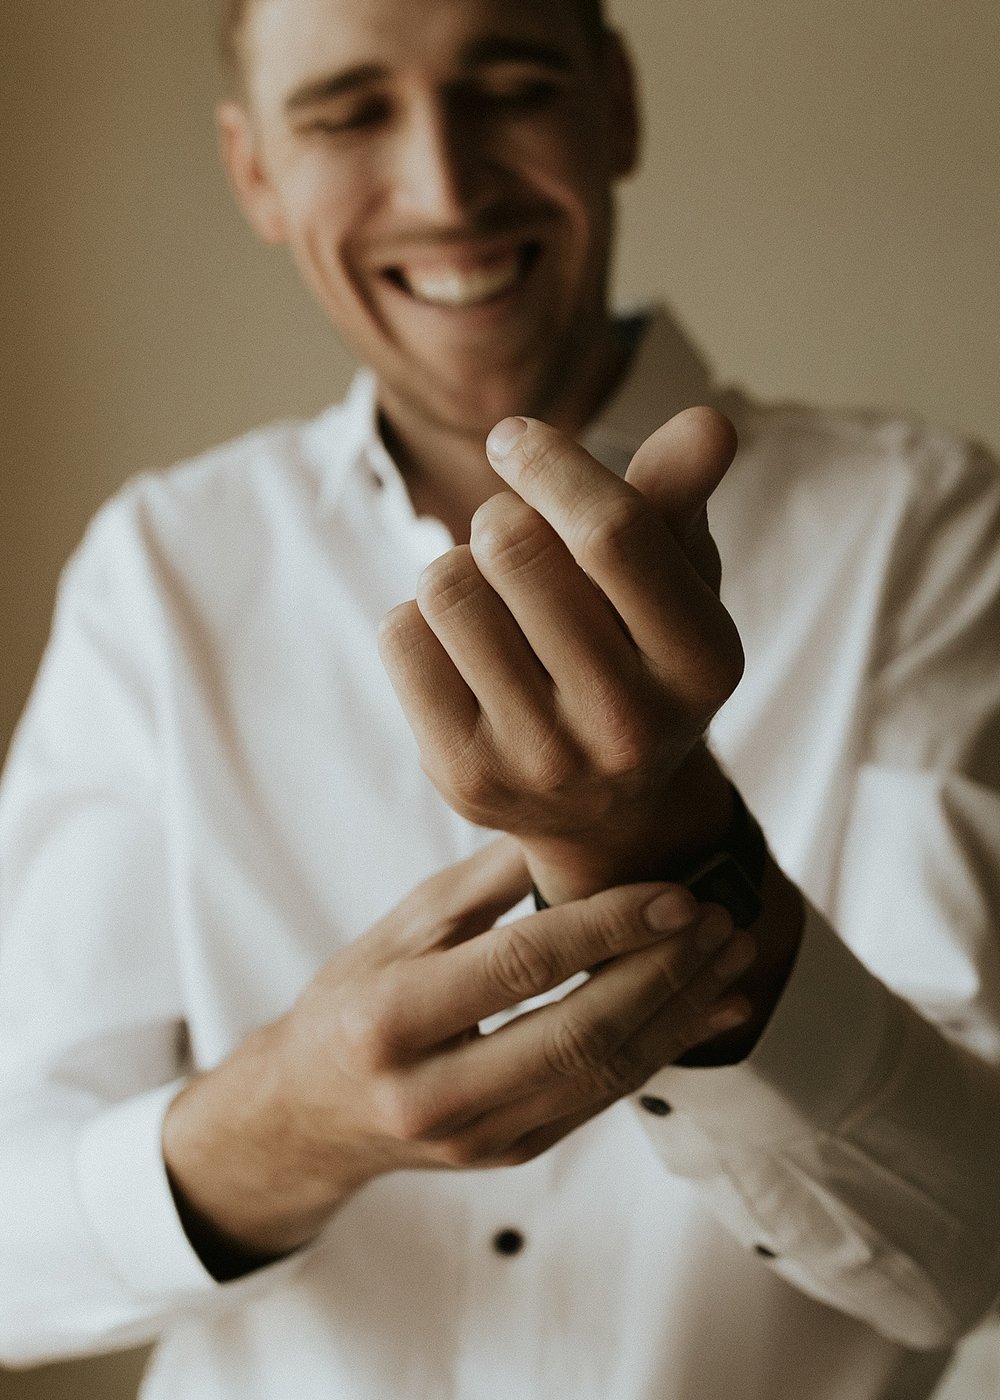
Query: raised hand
{"type": "Point", "coordinates": [560, 670]}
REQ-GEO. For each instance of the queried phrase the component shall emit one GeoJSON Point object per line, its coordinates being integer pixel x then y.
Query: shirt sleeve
{"type": "Point", "coordinates": [92, 1032]}
{"type": "Point", "coordinates": [857, 1148]}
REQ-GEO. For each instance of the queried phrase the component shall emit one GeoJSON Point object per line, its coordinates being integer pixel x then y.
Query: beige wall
{"type": "Point", "coordinates": [820, 201]}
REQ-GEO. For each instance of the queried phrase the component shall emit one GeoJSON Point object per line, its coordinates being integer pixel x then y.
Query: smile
{"type": "Point", "coordinates": [456, 283]}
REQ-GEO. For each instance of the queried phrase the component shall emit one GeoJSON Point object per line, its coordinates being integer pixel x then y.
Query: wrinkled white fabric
{"type": "Point", "coordinates": [213, 789]}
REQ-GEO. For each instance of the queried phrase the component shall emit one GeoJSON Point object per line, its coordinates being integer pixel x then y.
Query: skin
{"type": "Point", "coordinates": [379, 1065]}
{"type": "Point", "coordinates": [448, 155]}
{"type": "Point", "coordinates": [397, 150]}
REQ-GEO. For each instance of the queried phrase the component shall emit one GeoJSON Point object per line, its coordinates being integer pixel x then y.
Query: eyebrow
{"type": "Point", "coordinates": [482, 52]}
{"type": "Point", "coordinates": [479, 54]}
{"type": "Point", "coordinates": [333, 85]}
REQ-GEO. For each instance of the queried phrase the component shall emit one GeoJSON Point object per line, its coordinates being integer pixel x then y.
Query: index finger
{"type": "Point", "coordinates": [628, 549]}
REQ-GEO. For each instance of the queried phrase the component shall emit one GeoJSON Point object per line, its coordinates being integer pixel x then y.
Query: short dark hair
{"type": "Point", "coordinates": [234, 13]}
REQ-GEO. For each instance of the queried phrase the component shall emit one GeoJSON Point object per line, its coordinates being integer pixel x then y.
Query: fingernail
{"type": "Point", "coordinates": [727, 1018]}
{"type": "Point", "coordinates": [736, 958]}
{"type": "Point", "coordinates": [716, 927]}
{"type": "Point", "coordinates": [671, 911]}
{"type": "Point", "coordinates": [505, 437]}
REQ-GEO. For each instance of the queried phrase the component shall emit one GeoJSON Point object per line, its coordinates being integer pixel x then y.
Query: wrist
{"type": "Point", "coordinates": [670, 828]}
{"type": "Point", "coordinates": [245, 1187]}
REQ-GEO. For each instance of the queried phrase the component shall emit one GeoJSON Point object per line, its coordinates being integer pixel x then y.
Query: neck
{"type": "Point", "coordinates": [445, 467]}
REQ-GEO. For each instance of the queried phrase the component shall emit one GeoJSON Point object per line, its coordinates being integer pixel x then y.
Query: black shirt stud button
{"type": "Point", "coordinates": [658, 1107]}
{"type": "Point", "coordinates": [508, 1242]}
{"type": "Point", "coordinates": [764, 1252]}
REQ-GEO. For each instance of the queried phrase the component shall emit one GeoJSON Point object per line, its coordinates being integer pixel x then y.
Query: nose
{"type": "Point", "coordinates": [444, 173]}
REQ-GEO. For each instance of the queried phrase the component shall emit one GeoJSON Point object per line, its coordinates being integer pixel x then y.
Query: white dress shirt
{"type": "Point", "coordinates": [213, 789]}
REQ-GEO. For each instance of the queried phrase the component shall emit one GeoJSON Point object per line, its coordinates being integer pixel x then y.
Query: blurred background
{"type": "Point", "coordinates": [819, 201]}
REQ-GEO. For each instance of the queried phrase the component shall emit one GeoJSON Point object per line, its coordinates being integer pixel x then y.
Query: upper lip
{"type": "Point", "coordinates": [455, 252]}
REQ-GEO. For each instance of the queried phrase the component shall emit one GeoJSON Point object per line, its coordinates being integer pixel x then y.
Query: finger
{"type": "Point", "coordinates": [498, 1139]}
{"type": "Point", "coordinates": [533, 955]}
{"type": "Point", "coordinates": [485, 644]}
{"type": "Point", "coordinates": [679, 466]}
{"type": "Point", "coordinates": [566, 620]}
{"type": "Point", "coordinates": [630, 552]}
{"type": "Point", "coordinates": [438, 704]}
{"type": "Point", "coordinates": [570, 1048]}
{"type": "Point", "coordinates": [677, 469]}
{"type": "Point", "coordinates": [462, 901]}
{"type": "Point", "coordinates": [572, 1094]}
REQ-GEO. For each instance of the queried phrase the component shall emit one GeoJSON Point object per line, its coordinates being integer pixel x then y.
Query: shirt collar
{"type": "Point", "coordinates": [666, 374]}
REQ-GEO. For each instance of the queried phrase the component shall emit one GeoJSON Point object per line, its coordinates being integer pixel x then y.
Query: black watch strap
{"type": "Point", "coordinates": [730, 874]}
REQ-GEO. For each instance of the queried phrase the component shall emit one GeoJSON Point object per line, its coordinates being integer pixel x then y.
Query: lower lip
{"type": "Point", "coordinates": [530, 258]}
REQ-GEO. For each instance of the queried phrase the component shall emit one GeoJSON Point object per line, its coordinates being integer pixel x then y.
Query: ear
{"type": "Point", "coordinates": [255, 194]}
{"type": "Point", "coordinates": [626, 125]}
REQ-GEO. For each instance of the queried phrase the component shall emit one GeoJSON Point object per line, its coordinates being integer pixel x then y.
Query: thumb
{"type": "Point", "coordinates": [677, 468]}
{"type": "Point", "coordinates": [465, 899]}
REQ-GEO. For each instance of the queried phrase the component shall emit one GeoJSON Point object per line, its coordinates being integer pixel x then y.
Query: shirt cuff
{"type": "Point", "coordinates": [815, 1059]}
{"type": "Point", "coordinates": [127, 1200]}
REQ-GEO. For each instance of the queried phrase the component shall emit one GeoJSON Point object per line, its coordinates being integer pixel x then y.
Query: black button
{"type": "Point", "coordinates": [508, 1242]}
{"type": "Point", "coordinates": [659, 1107]}
{"type": "Point", "coordinates": [764, 1252]}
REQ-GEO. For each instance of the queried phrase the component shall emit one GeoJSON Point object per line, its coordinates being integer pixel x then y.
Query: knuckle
{"type": "Point", "coordinates": [398, 1111]}
{"type": "Point", "coordinates": [509, 537]}
{"type": "Point", "coordinates": [413, 1112]}
{"type": "Point", "coordinates": [461, 1152]}
{"type": "Point", "coordinates": [676, 962]}
{"type": "Point", "coordinates": [614, 927]}
{"type": "Point", "coordinates": [449, 583]}
{"type": "Point", "coordinates": [629, 737]}
{"type": "Point", "coordinates": [621, 1075]}
{"type": "Point", "coordinates": [367, 1032]}
{"type": "Point", "coordinates": [609, 531]}
{"type": "Point", "coordinates": [577, 1049]}
{"type": "Point", "coordinates": [466, 777]}
{"type": "Point", "coordinates": [550, 765]}
{"type": "Point", "coordinates": [396, 632]}
{"type": "Point", "coordinates": [714, 674]}
{"type": "Point", "coordinates": [519, 964]}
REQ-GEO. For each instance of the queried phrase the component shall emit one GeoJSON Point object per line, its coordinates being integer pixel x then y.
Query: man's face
{"type": "Point", "coordinates": [441, 171]}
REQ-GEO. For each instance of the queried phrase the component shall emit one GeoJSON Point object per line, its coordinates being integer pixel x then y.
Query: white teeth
{"type": "Point", "coordinates": [468, 287]}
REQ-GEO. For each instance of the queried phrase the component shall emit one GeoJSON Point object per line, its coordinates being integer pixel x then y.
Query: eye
{"type": "Point", "coordinates": [357, 118]}
{"type": "Point", "coordinates": [533, 92]}
{"type": "Point", "coordinates": [518, 87]}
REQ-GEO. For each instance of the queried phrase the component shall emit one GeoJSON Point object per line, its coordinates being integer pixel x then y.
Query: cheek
{"type": "Point", "coordinates": [565, 163]}
{"type": "Point", "coordinates": [326, 206]}
{"type": "Point", "coordinates": [324, 190]}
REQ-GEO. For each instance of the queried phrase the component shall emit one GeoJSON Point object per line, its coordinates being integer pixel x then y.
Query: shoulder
{"type": "Point", "coordinates": [843, 470]}
{"type": "Point", "coordinates": [807, 439]}
{"type": "Point", "coordinates": [228, 503]}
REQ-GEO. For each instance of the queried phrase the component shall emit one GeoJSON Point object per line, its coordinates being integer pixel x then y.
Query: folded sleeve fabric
{"type": "Point", "coordinates": [856, 1148]}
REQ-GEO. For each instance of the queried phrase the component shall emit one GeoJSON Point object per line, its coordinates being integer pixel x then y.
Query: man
{"type": "Point", "coordinates": [265, 1092]}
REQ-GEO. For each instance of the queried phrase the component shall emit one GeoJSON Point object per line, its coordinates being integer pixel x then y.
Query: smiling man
{"type": "Point", "coordinates": [442, 176]}
{"type": "Point", "coordinates": [295, 1076]}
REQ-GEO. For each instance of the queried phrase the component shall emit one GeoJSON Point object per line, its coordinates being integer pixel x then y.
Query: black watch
{"type": "Point", "coordinates": [730, 874]}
